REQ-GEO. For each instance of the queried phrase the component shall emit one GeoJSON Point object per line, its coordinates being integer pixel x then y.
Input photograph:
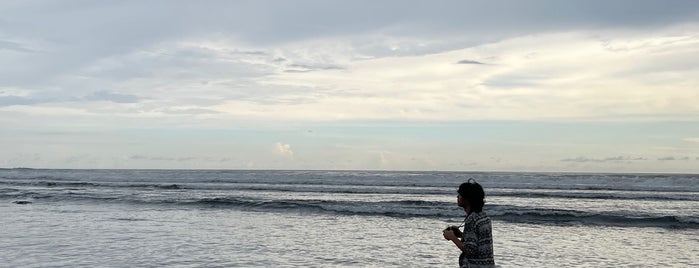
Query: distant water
{"type": "Point", "coordinates": [120, 218]}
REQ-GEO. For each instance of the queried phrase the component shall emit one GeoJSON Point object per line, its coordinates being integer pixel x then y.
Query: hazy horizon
{"type": "Point", "coordinates": [362, 170]}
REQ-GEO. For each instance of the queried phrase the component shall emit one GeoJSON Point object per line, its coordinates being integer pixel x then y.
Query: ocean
{"type": "Point", "coordinates": [258, 218]}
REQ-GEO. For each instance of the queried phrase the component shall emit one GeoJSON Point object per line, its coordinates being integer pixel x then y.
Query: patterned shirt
{"type": "Point", "coordinates": [478, 240]}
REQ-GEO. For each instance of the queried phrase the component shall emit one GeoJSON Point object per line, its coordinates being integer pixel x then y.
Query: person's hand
{"type": "Point", "coordinates": [456, 231]}
{"type": "Point", "coordinates": [449, 235]}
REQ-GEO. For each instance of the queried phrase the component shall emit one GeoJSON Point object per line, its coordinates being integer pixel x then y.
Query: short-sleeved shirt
{"type": "Point", "coordinates": [478, 240]}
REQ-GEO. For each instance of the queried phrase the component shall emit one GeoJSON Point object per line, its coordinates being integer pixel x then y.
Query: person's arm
{"type": "Point", "coordinates": [449, 235]}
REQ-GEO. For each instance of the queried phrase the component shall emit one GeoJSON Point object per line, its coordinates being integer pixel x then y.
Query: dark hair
{"type": "Point", "coordinates": [474, 194]}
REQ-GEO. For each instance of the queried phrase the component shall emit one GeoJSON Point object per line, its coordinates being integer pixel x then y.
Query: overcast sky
{"type": "Point", "coordinates": [591, 86]}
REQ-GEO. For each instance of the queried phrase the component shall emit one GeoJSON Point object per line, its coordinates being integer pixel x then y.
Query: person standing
{"type": "Point", "coordinates": [476, 241]}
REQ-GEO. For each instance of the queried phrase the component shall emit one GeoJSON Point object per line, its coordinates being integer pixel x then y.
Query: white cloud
{"type": "Point", "coordinates": [574, 75]}
{"type": "Point", "coordinates": [692, 139]}
{"type": "Point", "coordinates": [284, 149]}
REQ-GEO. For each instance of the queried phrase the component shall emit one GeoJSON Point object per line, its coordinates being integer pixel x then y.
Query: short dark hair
{"type": "Point", "coordinates": [474, 194]}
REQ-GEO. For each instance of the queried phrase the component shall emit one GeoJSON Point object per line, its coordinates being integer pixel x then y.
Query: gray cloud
{"type": "Point", "coordinates": [581, 159]}
{"type": "Point", "coordinates": [302, 68]}
{"type": "Point", "coordinates": [250, 52]}
{"type": "Point", "coordinates": [12, 46]}
{"type": "Point", "coordinates": [625, 158]}
{"type": "Point", "coordinates": [16, 100]}
{"type": "Point", "coordinates": [96, 96]}
{"type": "Point", "coordinates": [297, 71]}
{"type": "Point", "coordinates": [672, 158]}
{"type": "Point", "coordinates": [469, 62]}
{"type": "Point", "coordinates": [63, 28]}
{"type": "Point", "coordinates": [171, 61]}
{"type": "Point", "coordinates": [113, 97]}
{"type": "Point", "coordinates": [278, 21]}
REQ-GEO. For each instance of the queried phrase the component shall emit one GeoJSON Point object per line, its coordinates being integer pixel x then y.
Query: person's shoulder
{"type": "Point", "coordinates": [482, 221]}
{"type": "Point", "coordinates": [475, 216]}
{"type": "Point", "coordinates": [481, 216]}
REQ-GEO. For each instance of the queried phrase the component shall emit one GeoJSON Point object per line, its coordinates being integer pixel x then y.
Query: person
{"type": "Point", "coordinates": [476, 243]}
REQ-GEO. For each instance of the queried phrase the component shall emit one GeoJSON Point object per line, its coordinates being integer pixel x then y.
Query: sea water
{"type": "Point", "coordinates": [212, 218]}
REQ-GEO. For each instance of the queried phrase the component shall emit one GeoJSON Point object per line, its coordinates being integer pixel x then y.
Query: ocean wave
{"type": "Point", "coordinates": [530, 198]}
{"type": "Point", "coordinates": [419, 208]}
{"type": "Point", "coordinates": [583, 218]}
{"type": "Point", "coordinates": [490, 180]}
{"type": "Point", "coordinates": [363, 189]}
{"type": "Point", "coordinates": [400, 208]}
{"type": "Point", "coordinates": [602, 194]}
{"type": "Point", "coordinates": [80, 184]}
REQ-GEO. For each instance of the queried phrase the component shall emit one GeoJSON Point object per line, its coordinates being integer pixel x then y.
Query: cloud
{"type": "Point", "coordinates": [469, 62]}
{"type": "Point", "coordinates": [284, 149]}
{"type": "Point", "coordinates": [12, 46]}
{"type": "Point", "coordinates": [9, 100]}
{"type": "Point", "coordinates": [16, 100]}
{"type": "Point", "coordinates": [113, 97]}
{"type": "Point", "coordinates": [387, 66]}
{"type": "Point", "coordinates": [440, 29]}
{"type": "Point", "coordinates": [581, 159]}
{"type": "Point", "coordinates": [625, 158]}
{"type": "Point", "coordinates": [672, 158]}
{"type": "Point", "coordinates": [691, 139]}
{"type": "Point", "coordinates": [309, 67]}
{"type": "Point", "coordinates": [332, 78]}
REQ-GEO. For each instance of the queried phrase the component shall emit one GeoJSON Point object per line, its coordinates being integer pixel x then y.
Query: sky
{"type": "Point", "coordinates": [521, 86]}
